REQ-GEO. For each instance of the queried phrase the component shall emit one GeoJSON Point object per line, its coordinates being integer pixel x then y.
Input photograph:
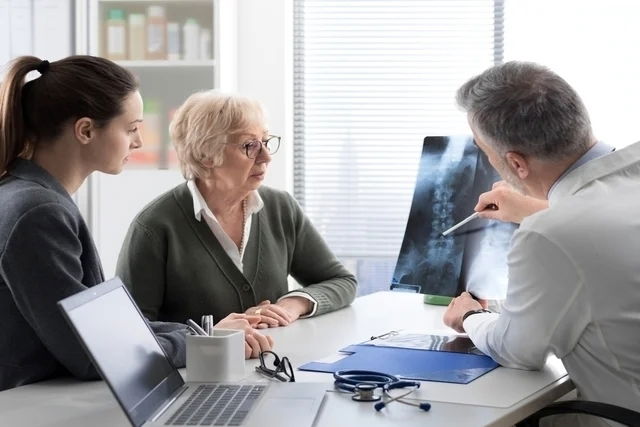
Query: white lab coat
{"type": "Point", "coordinates": [574, 284]}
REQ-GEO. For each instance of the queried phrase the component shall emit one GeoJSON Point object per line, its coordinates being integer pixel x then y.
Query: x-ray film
{"type": "Point", "coordinates": [453, 173]}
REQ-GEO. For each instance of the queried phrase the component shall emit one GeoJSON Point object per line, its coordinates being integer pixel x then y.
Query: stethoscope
{"type": "Point", "coordinates": [364, 383]}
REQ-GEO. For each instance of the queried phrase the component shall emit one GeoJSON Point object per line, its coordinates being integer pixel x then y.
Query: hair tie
{"type": "Point", "coordinates": [43, 67]}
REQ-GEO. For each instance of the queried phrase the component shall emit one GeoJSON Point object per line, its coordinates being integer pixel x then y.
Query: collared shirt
{"type": "Point", "coordinates": [200, 209]}
{"type": "Point", "coordinates": [598, 150]}
{"type": "Point", "coordinates": [254, 205]}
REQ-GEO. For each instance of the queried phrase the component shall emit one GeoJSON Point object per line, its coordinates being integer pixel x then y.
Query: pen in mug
{"type": "Point", "coordinates": [204, 323]}
{"type": "Point", "coordinates": [208, 324]}
{"type": "Point", "coordinates": [196, 327]}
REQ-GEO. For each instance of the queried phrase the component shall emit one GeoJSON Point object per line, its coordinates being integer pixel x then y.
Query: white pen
{"type": "Point", "coordinates": [467, 219]}
{"type": "Point", "coordinates": [461, 223]}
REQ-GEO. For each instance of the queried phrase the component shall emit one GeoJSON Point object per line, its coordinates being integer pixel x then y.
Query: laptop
{"type": "Point", "coordinates": [150, 389]}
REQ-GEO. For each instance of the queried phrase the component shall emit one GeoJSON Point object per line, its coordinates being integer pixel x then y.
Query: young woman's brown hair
{"type": "Point", "coordinates": [65, 90]}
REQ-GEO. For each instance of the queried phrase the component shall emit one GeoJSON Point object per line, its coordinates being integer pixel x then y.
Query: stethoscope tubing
{"type": "Point", "coordinates": [353, 380]}
{"type": "Point", "coordinates": [348, 379]}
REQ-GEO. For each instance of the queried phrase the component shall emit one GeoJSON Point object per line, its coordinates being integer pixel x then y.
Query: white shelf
{"type": "Point", "coordinates": [166, 63]}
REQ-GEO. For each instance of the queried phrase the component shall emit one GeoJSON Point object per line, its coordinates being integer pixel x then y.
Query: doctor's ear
{"type": "Point", "coordinates": [84, 129]}
{"type": "Point", "coordinates": [518, 164]}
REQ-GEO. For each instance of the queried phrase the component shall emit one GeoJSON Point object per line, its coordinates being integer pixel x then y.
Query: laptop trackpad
{"type": "Point", "coordinates": [292, 404]}
{"type": "Point", "coordinates": [295, 410]}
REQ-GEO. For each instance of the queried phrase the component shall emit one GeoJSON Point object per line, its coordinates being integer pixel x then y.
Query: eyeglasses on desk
{"type": "Point", "coordinates": [274, 366]}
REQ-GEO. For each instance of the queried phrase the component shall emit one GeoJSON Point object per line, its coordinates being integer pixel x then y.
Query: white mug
{"type": "Point", "coordinates": [219, 357]}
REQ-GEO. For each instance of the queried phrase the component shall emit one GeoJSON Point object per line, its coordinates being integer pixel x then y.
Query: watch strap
{"type": "Point", "coordinates": [471, 312]}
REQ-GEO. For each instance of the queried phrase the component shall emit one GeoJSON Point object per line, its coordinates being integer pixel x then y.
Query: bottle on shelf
{"type": "Point", "coordinates": [156, 33]}
{"type": "Point", "coordinates": [149, 154]}
{"type": "Point", "coordinates": [116, 35]}
{"type": "Point", "coordinates": [173, 41]}
{"type": "Point", "coordinates": [191, 40]}
{"type": "Point", "coordinates": [205, 43]}
{"type": "Point", "coordinates": [137, 24]}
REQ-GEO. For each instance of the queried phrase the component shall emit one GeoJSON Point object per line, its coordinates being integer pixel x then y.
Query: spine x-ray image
{"type": "Point", "coordinates": [453, 173]}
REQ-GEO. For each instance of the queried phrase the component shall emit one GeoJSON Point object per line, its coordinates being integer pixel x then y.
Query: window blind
{"type": "Point", "coordinates": [372, 78]}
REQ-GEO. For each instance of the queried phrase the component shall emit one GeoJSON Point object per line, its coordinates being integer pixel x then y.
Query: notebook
{"type": "Point", "coordinates": [150, 389]}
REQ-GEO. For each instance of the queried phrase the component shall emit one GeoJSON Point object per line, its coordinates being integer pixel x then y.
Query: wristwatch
{"type": "Point", "coordinates": [471, 312]}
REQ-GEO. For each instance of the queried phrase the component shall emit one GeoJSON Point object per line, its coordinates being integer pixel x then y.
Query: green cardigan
{"type": "Point", "coordinates": [176, 269]}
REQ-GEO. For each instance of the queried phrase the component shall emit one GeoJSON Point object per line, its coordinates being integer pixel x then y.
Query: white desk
{"type": "Point", "coordinates": [501, 397]}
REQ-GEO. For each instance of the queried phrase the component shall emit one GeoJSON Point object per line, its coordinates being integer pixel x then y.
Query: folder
{"type": "Point", "coordinates": [409, 363]}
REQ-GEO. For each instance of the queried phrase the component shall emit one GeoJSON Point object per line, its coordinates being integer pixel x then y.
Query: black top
{"type": "Point", "coordinates": [47, 254]}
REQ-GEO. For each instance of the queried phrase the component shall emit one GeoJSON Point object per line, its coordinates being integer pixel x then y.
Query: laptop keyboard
{"type": "Point", "coordinates": [217, 405]}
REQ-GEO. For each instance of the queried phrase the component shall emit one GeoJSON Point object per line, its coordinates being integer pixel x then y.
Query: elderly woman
{"type": "Point", "coordinates": [221, 242]}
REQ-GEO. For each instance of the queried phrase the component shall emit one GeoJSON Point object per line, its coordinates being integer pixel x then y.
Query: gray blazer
{"type": "Point", "coordinates": [47, 254]}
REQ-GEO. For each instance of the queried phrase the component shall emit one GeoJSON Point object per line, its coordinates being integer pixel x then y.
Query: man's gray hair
{"type": "Point", "coordinates": [527, 108]}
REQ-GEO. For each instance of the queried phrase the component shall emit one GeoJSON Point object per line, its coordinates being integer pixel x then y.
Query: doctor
{"type": "Point", "coordinates": [574, 275]}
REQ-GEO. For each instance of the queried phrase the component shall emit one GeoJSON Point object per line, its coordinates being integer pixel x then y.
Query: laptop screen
{"type": "Point", "coordinates": [123, 348]}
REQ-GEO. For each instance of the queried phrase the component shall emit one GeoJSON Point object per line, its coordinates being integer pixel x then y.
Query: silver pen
{"type": "Point", "coordinates": [467, 219]}
{"type": "Point", "coordinates": [208, 324]}
{"type": "Point", "coordinates": [461, 223]}
{"type": "Point", "coordinates": [196, 327]}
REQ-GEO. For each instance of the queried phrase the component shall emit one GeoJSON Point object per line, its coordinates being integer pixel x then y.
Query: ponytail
{"type": "Point", "coordinates": [67, 90]}
{"type": "Point", "coordinates": [13, 141]}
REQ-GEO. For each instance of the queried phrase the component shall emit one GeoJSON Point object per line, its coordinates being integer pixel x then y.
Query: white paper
{"type": "Point", "coordinates": [458, 343]}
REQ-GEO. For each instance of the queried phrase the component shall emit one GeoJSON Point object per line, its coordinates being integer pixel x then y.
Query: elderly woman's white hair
{"type": "Point", "coordinates": [203, 124]}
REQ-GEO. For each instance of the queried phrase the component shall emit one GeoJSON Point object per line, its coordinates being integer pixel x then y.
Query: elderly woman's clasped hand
{"type": "Point", "coordinates": [282, 313]}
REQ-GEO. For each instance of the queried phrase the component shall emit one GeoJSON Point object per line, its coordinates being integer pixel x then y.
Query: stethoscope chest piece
{"type": "Point", "coordinates": [365, 393]}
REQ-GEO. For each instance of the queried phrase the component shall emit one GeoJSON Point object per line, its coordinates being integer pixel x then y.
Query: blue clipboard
{"type": "Point", "coordinates": [415, 364]}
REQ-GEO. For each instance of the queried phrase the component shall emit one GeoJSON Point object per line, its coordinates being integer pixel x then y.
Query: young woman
{"type": "Point", "coordinates": [79, 115]}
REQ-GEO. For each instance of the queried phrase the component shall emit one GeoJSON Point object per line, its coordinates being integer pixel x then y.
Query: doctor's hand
{"type": "Point", "coordinates": [512, 206]}
{"type": "Point", "coordinates": [457, 308]}
{"type": "Point", "coordinates": [254, 341]}
{"type": "Point", "coordinates": [271, 315]}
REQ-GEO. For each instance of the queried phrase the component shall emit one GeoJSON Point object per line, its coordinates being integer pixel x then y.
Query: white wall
{"type": "Point", "coordinates": [265, 72]}
{"type": "Point", "coordinates": [591, 44]}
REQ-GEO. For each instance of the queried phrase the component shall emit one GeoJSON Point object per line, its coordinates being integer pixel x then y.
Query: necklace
{"type": "Point", "coordinates": [244, 223]}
